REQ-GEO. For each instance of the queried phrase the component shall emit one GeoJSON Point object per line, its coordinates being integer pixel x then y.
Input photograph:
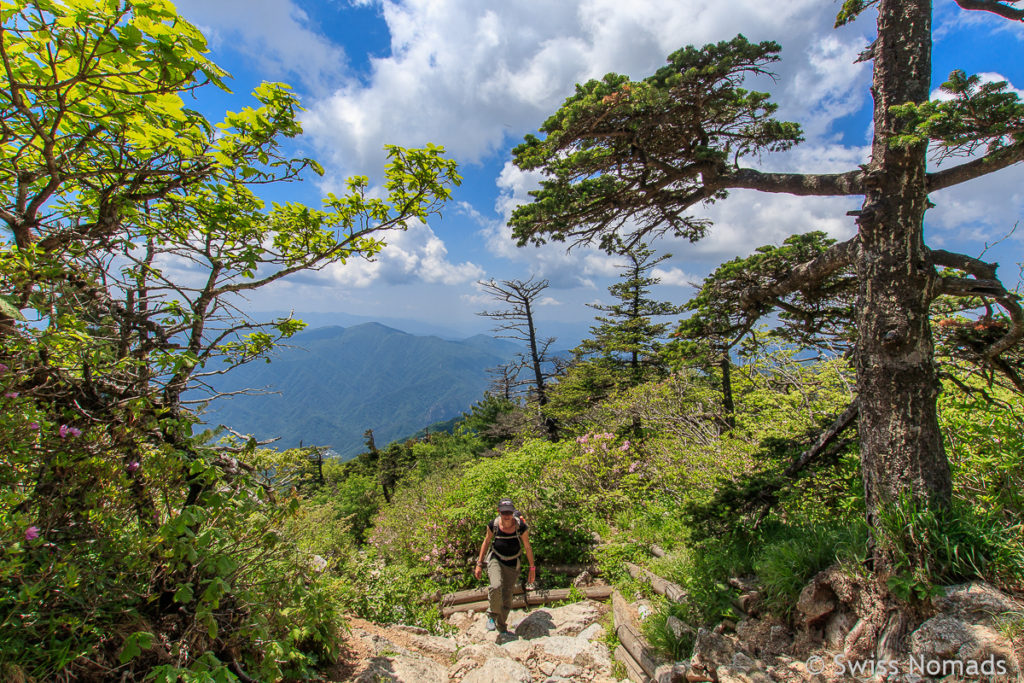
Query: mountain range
{"type": "Point", "coordinates": [331, 384]}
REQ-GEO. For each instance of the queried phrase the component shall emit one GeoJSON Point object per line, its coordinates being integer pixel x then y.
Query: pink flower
{"type": "Point", "coordinates": [633, 467]}
{"type": "Point", "coordinates": [133, 465]}
{"type": "Point", "coordinates": [624, 446]}
{"type": "Point", "coordinates": [11, 394]}
{"type": "Point", "coordinates": [33, 425]}
{"type": "Point", "coordinates": [66, 431]}
{"type": "Point", "coordinates": [31, 533]}
{"type": "Point", "coordinates": [3, 368]}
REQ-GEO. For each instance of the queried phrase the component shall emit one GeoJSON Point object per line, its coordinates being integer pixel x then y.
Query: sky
{"type": "Point", "coordinates": [475, 76]}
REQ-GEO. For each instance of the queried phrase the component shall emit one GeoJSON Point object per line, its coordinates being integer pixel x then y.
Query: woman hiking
{"type": "Point", "coordinates": [511, 536]}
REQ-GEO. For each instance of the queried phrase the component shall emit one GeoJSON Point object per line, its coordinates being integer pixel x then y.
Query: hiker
{"type": "Point", "coordinates": [511, 536]}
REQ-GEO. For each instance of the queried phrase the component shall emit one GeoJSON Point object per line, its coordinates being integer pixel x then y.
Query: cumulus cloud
{"type": "Point", "coordinates": [475, 76]}
{"type": "Point", "coordinates": [675, 277]}
{"type": "Point", "coordinates": [416, 254]}
{"type": "Point", "coordinates": [277, 34]}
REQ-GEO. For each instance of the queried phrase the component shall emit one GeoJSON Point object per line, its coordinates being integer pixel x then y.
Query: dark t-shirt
{"type": "Point", "coordinates": [507, 543]}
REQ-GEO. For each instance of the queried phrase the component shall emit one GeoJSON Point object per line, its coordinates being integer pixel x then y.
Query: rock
{"type": "Point", "coordinates": [569, 620]}
{"type": "Point", "coordinates": [976, 602]}
{"type": "Point", "coordinates": [519, 650]}
{"type": "Point", "coordinates": [416, 630]}
{"type": "Point", "coordinates": [940, 637]}
{"type": "Point", "coordinates": [584, 578]}
{"type": "Point", "coordinates": [591, 632]}
{"type": "Point", "coordinates": [671, 673]}
{"type": "Point", "coordinates": [711, 650]}
{"type": "Point", "coordinates": [725, 626]}
{"type": "Point", "coordinates": [576, 651]}
{"type": "Point", "coordinates": [547, 668]}
{"type": "Point", "coordinates": [727, 674]}
{"type": "Point", "coordinates": [537, 624]}
{"type": "Point", "coordinates": [947, 638]}
{"type": "Point", "coordinates": [403, 668]}
{"type": "Point", "coordinates": [678, 628]}
{"type": "Point", "coordinates": [481, 652]}
{"type": "Point", "coordinates": [570, 671]}
{"type": "Point", "coordinates": [435, 645]}
{"type": "Point", "coordinates": [644, 609]}
{"type": "Point", "coordinates": [497, 670]}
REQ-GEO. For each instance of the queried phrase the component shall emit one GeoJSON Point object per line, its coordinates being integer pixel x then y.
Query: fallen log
{"type": "Point", "coordinates": [534, 597]}
{"type": "Point", "coordinates": [657, 550]}
{"type": "Point", "coordinates": [627, 629]}
{"type": "Point", "coordinates": [672, 591]}
{"type": "Point", "coordinates": [634, 671]}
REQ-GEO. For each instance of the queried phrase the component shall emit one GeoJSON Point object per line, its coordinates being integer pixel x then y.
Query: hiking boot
{"type": "Point", "coordinates": [490, 624]}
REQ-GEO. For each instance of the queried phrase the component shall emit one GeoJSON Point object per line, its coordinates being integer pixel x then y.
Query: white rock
{"type": "Point", "coordinates": [496, 670]}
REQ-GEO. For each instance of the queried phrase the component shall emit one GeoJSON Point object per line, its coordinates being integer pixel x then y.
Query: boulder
{"type": "Point", "coordinates": [711, 650]}
{"type": "Point", "coordinates": [576, 651]}
{"type": "Point", "coordinates": [945, 638]}
{"type": "Point", "coordinates": [976, 602]}
{"type": "Point", "coordinates": [497, 670]}
{"type": "Point", "coordinates": [403, 668]}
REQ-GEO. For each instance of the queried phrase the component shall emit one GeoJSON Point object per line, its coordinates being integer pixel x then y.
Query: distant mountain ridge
{"type": "Point", "coordinates": [334, 383]}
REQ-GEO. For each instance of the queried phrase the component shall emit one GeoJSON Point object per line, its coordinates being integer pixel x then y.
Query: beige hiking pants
{"type": "Point", "coordinates": [499, 596]}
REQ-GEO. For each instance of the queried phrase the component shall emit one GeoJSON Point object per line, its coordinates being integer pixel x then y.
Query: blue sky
{"type": "Point", "coordinates": [475, 76]}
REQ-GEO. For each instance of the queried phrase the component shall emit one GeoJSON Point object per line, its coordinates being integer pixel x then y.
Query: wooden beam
{"type": "Point", "coordinates": [627, 629]}
{"type": "Point", "coordinates": [541, 597]}
{"type": "Point", "coordinates": [672, 591]}
{"type": "Point", "coordinates": [634, 672]}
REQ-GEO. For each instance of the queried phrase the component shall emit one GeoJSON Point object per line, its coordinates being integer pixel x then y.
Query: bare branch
{"type": "Point", "coordinates": [844, 420]}
{"type": "Point", "coordinates": [990, 163]}
{"type": "Point", "coordinates": [1002, 9]}
{"type": "Point", "coordinates": [975, 267]}
{"type": "Point", "coordinates": [804, 184]}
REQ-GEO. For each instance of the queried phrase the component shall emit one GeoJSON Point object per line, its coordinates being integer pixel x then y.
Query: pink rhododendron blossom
{"type": "Point", "coordinates": [33, 425]}
{"type": "Point", "coordinates": [3, 368]}
{"type": "Point", "coordinates": [132, 466]}
{"type": "Point", "coordinates": [633, 467]}
{"type": "Point", "coordinates": [66, 431]}
{"type": "Point", "coordinates": [11, 394]}
{"type": "Point", "coordinates": [31, 533]}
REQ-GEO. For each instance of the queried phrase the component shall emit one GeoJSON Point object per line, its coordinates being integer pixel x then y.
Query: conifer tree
{"type": "Point", "coordinates": [628, 338]}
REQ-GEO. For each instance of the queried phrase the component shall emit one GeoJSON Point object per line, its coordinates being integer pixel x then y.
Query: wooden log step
{"type": "Point", "coordinates": [535, 597]}
{"type": "Point", "coordinates": [627, 629]}
{"type": "Point", "coordinates": [672, 591]}
{"type": "Point", "coordinates": [634, 672]}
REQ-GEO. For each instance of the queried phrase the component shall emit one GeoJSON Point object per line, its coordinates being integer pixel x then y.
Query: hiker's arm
{"type": "Point", "coordinates": [529, 555]}
{"type": "Point", "coordinates": [483, 551]}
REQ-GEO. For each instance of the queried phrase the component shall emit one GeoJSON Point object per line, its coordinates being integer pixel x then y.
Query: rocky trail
{"type": "Point", "coordinates": [965, 624]}
{"type": "Point", "coordinates": [550, 644]}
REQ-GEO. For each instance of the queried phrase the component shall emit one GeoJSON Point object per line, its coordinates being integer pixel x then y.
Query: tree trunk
{"type": "Point", "coordinates": [727, 404]}
{"type": "Point", "coordinates": [901, 445]}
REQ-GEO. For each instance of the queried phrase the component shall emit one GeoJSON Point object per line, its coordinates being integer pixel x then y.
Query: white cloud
{"type": "Point", "coordinates": [277, 34]}
{"type": "Point", "coordinates": [473, 76]}
{"type": "Point", "coordinates": [675, 277]}
{"type": "Point", "coordinates": [416, 254]}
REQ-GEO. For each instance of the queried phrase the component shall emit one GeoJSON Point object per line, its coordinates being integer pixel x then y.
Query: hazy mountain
{"type": "Point", "coordinates": [334, 383]}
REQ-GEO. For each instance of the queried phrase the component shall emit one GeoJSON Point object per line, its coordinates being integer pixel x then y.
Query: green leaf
{"type": "Point", "coordinates": [8, 308]}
